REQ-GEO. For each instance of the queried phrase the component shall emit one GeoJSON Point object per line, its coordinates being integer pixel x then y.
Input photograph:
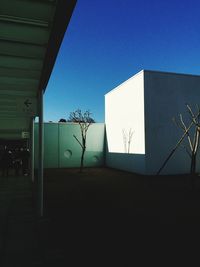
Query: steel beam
{"type": "Point", "coordinates": [41, 157]}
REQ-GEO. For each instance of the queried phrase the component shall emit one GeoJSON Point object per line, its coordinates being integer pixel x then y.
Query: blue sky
{"type": "Point", "coordinates": [107, 42]}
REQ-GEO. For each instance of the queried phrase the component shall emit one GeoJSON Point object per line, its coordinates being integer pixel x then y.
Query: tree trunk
{"type": "Point", "coordinates": [193, 164]}
{"type": "Point", "coordinates": [82, 159]}
{"type": "Point", "coordinates": [194, 152]}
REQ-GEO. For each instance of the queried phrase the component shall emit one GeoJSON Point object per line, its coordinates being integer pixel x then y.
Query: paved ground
{"type": "Point", "coordinates": [102, 217]}
{"type": "Point", "coordinates": [106, 217]}
{"type": "Point", "coordinates": [18, 234]}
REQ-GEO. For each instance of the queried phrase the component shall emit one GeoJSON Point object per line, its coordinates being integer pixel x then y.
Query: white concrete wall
{"type": "Point", "coordinates": [165, 97]}
{"type": "Point", "coordinates": [124, 112]}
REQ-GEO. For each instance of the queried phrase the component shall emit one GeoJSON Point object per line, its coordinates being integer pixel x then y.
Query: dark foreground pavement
{"type": "Point", "coordinates": [18, 232]}
{"type": "Point", "coordinates": [105, 218]}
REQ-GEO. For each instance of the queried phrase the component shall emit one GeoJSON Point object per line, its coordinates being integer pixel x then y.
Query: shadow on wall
{"type": "Point", "coordinates": [124, 161]}
{"type": "Point", "coordinates": [150, 162]}
{"type": "Point", "coordinates": [178, 163]}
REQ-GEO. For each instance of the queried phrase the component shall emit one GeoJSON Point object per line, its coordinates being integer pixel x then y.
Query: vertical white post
{"type": "Point", "coordinates": [41, 156]}
{"type": "Point", "coordinates": [32, 149]}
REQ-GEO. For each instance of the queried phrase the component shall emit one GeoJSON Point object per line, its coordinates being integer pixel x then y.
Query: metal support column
{"type": "Point", "coordinates": [41, 156]}
{"type": "Point", "coordinates": [32, 148]}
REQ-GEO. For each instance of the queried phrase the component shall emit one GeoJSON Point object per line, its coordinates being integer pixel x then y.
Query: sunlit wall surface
{"type": "Point", "coordinates": [125, 129]}
{"type": "Point", "coordinates": [124, 117]}
{"type": "Point", "coordinates": [61, 150]}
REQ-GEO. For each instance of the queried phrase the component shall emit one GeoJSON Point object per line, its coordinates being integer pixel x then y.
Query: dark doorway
{"type": "Point", "coordinates": [13, 161]}
{"type": "Point", "coordinates": [12, 144]}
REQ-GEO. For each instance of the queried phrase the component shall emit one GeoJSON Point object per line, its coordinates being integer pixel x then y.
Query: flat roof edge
{"type": "Point", "coordinates": [153, 71]}
{"type": "Point", "coordinates": [172, 73]}
{"type": "Point", "coordinates": [117, 87]}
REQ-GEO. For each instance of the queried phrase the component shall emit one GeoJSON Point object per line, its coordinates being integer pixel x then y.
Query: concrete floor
{"type": "Point", "coordinates": [18, 235]}
{"type": "Point", "coordinates": [89, 223]}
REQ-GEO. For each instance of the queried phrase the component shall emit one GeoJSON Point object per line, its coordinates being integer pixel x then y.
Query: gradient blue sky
{"type": "Point", "coordinates": [108, 41]}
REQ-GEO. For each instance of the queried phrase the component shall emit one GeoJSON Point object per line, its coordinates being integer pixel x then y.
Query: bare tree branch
{"type": "Point", "coordinates": [84, 120]}
{"type": "Point", "coordinates": [127, 138]}
{"type": "Point", "coordinates": [193, 145]}
{"type": "Point", "coordinates": [190, 111]}
{"type": "Point", "coordinates": [124, 140]}
{"type": "Point", "coordinates": [77, 140]}
{"type": "Point", "coordinates": [185, 130]}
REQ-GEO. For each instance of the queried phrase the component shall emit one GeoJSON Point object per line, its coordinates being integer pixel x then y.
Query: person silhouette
{"type": "Point", "coordinates": [17, 162]}
{"type": "Point", "coordinates": [25, 160]}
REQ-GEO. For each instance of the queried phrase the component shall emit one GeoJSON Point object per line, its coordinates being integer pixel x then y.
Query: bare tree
{"type": "Point", "coordinates": [193, 143]}
{"type": "Point", "coordinates": [180, 141]}
{"type": "Point", "coordinates": [84, 120]}
{"type": "Point", "coordinates": [192, 136]}
{"type": "Point", "coordinates": [127, 138]}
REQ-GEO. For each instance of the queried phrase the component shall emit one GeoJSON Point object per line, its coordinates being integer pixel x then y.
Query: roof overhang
{"type": "Point", "coordinates": [62, 17]}
{"type": "Point", "coordinates": [31, 33]}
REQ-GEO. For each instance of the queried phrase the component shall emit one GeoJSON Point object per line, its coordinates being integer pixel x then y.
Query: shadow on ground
{"type": "Point", "coordinates": [106, 217]}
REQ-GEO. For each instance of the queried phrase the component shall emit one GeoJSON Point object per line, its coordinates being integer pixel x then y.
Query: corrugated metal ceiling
{"type": "Point", "coordinates": [26, 29]}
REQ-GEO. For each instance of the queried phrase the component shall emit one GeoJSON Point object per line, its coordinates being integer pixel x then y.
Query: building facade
{"type": "Point", "coordinates": [139, 114]}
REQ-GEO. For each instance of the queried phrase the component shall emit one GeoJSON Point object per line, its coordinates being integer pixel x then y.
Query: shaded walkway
{"type": "Point", "coordinates": [18, 236]}
{"type": "Point", "coordinates": [102, 217]}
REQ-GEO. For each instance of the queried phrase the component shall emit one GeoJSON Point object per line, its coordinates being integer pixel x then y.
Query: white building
{"type": "Point", "coordinates": [139, 127]}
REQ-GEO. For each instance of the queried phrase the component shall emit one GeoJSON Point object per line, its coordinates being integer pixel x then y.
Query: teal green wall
{"type": "Point", "coordinates": [61, 150]}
